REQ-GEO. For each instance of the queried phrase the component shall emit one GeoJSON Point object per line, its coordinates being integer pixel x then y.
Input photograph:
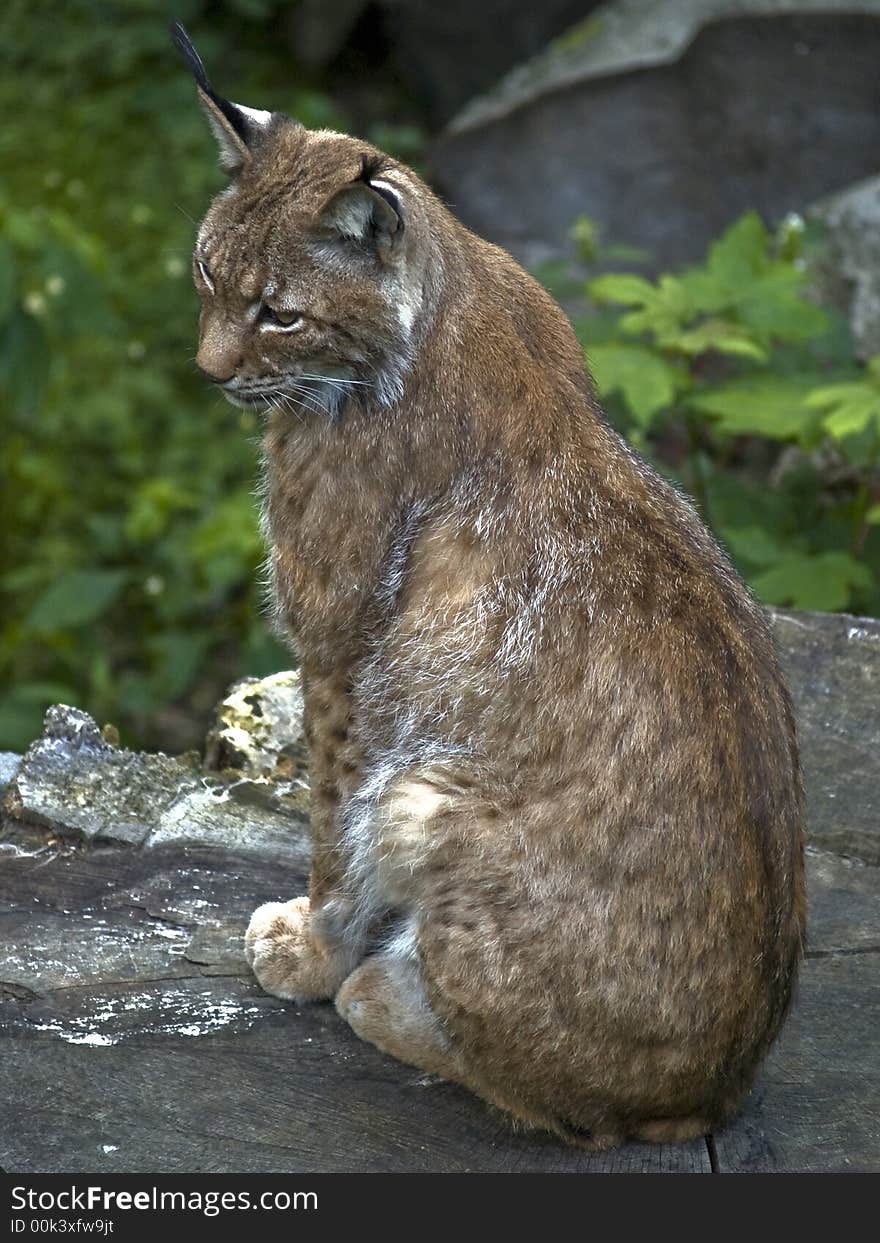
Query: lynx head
{"type": "Point", "coordinates": [310, 265]}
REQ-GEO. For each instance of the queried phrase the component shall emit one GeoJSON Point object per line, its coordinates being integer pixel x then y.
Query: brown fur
{"type": "Point", "coordinates": [557, 809]}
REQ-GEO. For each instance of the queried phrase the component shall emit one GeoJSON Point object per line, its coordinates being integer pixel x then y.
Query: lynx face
{"type": "Point", "coordinates": [305, 267]}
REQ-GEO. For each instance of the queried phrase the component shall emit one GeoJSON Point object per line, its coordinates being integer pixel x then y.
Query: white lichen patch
{"type": "Point", "coordinates": [256, 721]}
{"type": "Point", "coordinates": [172, 1012]}
{"type": "Point", "coordinates": [74, 1037]}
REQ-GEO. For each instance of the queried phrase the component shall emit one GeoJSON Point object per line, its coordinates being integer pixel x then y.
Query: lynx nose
{"type": "Point", "coordinates": [217, 366]}
{"type": "Point", "coordinates": [220, 353]}
{"type": "Point", "coordinates": [217, 375]}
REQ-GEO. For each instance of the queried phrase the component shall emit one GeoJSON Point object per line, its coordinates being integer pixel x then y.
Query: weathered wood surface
{"type": "Point", "coordinates": [132, 1037]}
{"type": "Point", "coordinates": [135, 1039]}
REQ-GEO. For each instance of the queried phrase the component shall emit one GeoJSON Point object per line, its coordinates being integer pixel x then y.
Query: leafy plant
{"type": "Point", "coordinates": [129, 564]}
{"type": "Point", "coordinates": [749, 394]}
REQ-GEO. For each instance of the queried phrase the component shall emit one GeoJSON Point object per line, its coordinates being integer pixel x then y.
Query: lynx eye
{"type": "Point", "coordinates": [271, 318]}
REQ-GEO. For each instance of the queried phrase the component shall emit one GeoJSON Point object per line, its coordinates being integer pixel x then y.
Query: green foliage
{"type": "Point", "coordinates": [129, 565]}
{"type": "Point", "coordinates": [748, 393]}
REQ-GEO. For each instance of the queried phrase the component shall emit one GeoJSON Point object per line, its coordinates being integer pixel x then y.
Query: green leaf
{"type": "Point", "coordinates": [736, 502]}
{"type": "Point", "coordinates": [622, 287]}
{"type": "Point", "coordinates": [664, 313]}
{"type": "Point", "coordinates": [740, 252]}
{"type": "Point", "coordinates": [850, 407]}
{"type": "Point", "coordinates": [774, 308]}
{"type": "Point", "coordinates": [46, 693]}
{"type": "Point", "coordinates": [77, 597]}
{"type": "Point", "coordinates": [263, 653]}
{"type": "Point", "coordinates": [558, 278]}
{"type": "Point", "coordinates": [721, 336]}
{"type": "Point", "coordinates": [621, 252]}
{"type": "Point", "coordinates": [254, 10]}
{"type": "Point", "coordinates": [767, 406]}
{"type": "Point", "coordinates": [227, 543]}
{"type": "Point", "coordinates": [872, 517]}
{"type": "Point", "coordinates": [824, 582]}
{"type": "Point", "coordinates": [152, 507]}
{"type": "Point", "coordinates": [742, 281]}
{"type": "Point", "coordinates": [20, 721]}
{"type": "Point", "coordinates": [648, 383]}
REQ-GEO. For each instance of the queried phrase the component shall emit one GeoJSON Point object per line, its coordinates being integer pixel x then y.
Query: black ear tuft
{"type": "Point", "coordinates": [184, 45]}
{"type": "Point", "coordinates": [371, 166]}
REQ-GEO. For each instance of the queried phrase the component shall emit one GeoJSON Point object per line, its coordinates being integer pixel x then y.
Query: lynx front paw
{"type": "Point", "coordinates": [286, 959]}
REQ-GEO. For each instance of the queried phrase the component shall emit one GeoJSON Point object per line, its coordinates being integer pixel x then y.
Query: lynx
{"type": "Point", "coordinates": [556, 804]}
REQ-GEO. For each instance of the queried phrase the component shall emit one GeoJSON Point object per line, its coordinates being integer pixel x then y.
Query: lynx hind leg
{"type": "Point", "coordinates": [423, 845]}
{"type": "Point", "coordinates": [384, 1002]}
{"type": "Point", "coordinates": [287, 959]}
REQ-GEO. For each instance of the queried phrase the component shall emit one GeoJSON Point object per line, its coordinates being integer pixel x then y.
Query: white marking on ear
{"type": "Point", "coordinates": [254, 116]}
{"type": "Point", "coordinates": [385, 185]}
{"type": "Point", "coordinates": [388, 190]}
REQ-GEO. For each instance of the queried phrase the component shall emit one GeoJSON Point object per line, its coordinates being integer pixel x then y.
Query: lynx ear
{"type": "Point", "coordinates": [367, 212]}
{"type": "Point", "coordinates": [235, 127]}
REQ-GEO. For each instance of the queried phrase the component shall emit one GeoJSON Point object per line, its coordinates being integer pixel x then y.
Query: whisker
{"type": "Point", "coordinates": [288, 404]}
{"type": "Point", "coordinates": [332, 379]}
{"type": "Point", "coordinates": [184, 212]}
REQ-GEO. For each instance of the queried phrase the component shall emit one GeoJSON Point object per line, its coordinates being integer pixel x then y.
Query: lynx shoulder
{"type": "Point", "coordinates": [556, 797]}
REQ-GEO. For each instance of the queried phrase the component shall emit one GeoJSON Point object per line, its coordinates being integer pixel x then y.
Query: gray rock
{"type": "Point", "coordinates": [630, 34]}
{"type": "Point", "coordinates": [832, 663]}
{"type": "Point", "coordinates": [231, 817]}
{"type": "Point", "coordinates": [9, 764]}
{"type": "Point", "coordinates": [666, 119]}
{"type": "Point", "coordinates": [848, 269]}
{"type": "Point", "coordinates": [76, 785]}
